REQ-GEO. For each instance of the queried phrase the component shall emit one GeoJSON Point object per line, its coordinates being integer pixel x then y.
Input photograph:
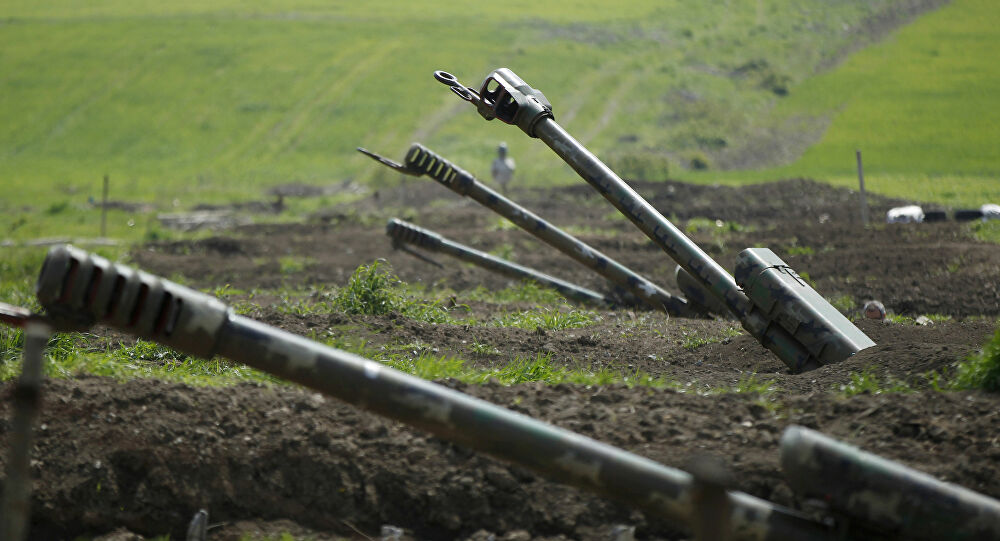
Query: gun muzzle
{"type": "Point", "coordinates": [884, 497]}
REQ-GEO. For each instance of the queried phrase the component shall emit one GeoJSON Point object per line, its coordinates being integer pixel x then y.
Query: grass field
{"type": "Point", "coordinates": [191, 102]}
{"type": "Point", "coordinates": [920, 105]}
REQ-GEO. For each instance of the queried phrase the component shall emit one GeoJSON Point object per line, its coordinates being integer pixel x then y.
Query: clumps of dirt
{"type": "Point", "coordinates": [146, 455]}
{"type": "Point", "coordinates": [266, 460]}
{"type": "Point", "coordinates": [933, 268]}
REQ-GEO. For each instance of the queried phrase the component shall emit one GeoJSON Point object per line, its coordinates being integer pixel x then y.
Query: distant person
{"type": "Point", "coordinates": [502, 168]}
{"type": "Point", "coordinates": [874, 310]}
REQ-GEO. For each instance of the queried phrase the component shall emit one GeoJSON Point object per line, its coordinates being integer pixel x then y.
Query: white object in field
{"type": "Point", "coordinates": [503, 167]}
{"type": "Point", "coordinates": [990, 211]}
{"type": "Point", "coordinates": [905, 215]}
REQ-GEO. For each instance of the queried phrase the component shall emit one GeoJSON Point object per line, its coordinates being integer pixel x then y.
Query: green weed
{"type": "Point", "coordinates": [546, 319]}
{"type": "Point", "coordinates": [693, 339]}
{"type": "Point", "coordinates": [982, 370]}
{"type": "Point", "coordinates": [524, 291]}
{"type": "Point", "coordinates": [371, 290]}
{"type": "Point", "coordinates": [845, 303]}
{"type": "Point", "coordinates": [293, 264]}
{"type": "Point", "coordinates": [986, 231]}
{"type": "Point", "coordinates": [800, 250]}
{"type": "Point", "coordinates": [482, 348]}
{"type": "Point", "coordinates": [867, 382]}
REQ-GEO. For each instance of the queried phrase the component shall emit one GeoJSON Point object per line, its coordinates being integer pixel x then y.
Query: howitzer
{"type": "Point", "coordinates": [78, 288]}
{"type": "Point", "coordinates": [771, 301]}
{"type": "Point", "coordinates": [875, 496]}
{"type": "Point", "coordinates": [422, 161]}
{"type": "Point", "coordinates": [405, 232]}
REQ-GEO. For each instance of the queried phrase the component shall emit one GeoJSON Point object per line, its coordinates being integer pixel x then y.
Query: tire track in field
{"type": "Point", "coordinates": [306, 115]}
{"type": "Point", "coordinates": [306, 85]}
{"type": "Point", "coordinates": [66, 120]}
{"type": "Point", "coordinates": [612, 104]}
{"type": "Point", "coordinates": [575, 103]}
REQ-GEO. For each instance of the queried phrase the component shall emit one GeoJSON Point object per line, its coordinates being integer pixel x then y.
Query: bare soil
{"type": "Point", "coordinates": [143, 456]}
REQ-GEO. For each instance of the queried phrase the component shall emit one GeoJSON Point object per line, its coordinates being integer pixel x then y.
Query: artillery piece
{"type": "Point", "coordinates": [403, 233]}
{"type": "Point", "coordinates": [420, 160]}
{"type": "Point", "coordinates": [773, 303]}
{"type": "Point", "coordinates": [78, 289]}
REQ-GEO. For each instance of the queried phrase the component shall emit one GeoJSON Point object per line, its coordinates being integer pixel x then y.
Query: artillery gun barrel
{"type": "Point", "coordinates": [420, 160]}
{"type": "Point", "coordinates": [82, 288]}
{"type": "Point", "coordinates": [406, 232]}
{"type": "Point", "coordinates": [882, 495]}
{"type": "Point", "coordinates": [771, 301]}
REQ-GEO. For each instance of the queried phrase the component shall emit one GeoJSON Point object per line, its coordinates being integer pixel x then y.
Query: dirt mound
{"type": "Point", "coordinates": [146, 455]}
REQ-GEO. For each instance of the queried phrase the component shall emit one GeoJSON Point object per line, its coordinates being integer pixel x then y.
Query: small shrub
{"type": "Point", "coordinates": [844, 303]}
{"type": "Point", "coordinates": [867, 382]}
{"type": "Point", "coordinates": [980, 371]}
{"type": "Point", "coordinates": [370, 291]}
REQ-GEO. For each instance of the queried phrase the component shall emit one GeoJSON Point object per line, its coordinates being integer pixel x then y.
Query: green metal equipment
{"type": "Point", "coordinates": [403, 233]}
{"type": "Point", "coordinates": [420, 160]}
{"type": "Point", "coordinates": [771, 301]}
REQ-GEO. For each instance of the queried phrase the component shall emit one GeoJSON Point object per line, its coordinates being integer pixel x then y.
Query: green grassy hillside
{"type": "Point", "coordinates": [188, 102]}
{"type": "Point", "coordinates": [922, 106]}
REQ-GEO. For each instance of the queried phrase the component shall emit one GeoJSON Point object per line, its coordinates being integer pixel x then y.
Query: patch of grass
{"type": "Point", "coordinates": [246, 96]}
{"type": "Point", "coordinates": [524, 291]}
{"type": "Point", "coordinates": [799, 250]}
{"type": "Point", "coordinates": [845, 303]}
{"type": "Point", "coordinates": [482, 348]}
{"type": "Point", "coordinates": [694, 340]}
{"type": "Point", "coordinates": [503, 251]}
{"type": "Point", "coordinates": [942, 64]}
{"type": "Point", "coordinates": [867, 382]}
{"type": "Point", "coordinates": [503, 224]}
{"type": "Point", "coordinates": [986, 231]}
{"type": "Point", "coordinates": [143, 359]}
{"type": "Point", "coordinates": [765, 389]}
{"type": "Point", "coordinates": [902, 320]}
{"type": "Point", "coordinates": [371, 290]}
{"type": "Point", "coordinates": [980, 371]}
{"type": "Point", "coordinates": [293, 264]}
{"type": "Point", "coordinates": [545, 318]}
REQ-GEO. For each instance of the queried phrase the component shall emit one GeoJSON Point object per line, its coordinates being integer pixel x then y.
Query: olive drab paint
{"type": "Point", "coordinates": [505, 96]}
{"type": "Point", "coordinates": [86, 289]}
{"type": "Point", "coordinates": [405, 232]}
{"type": "Point", "coordinates": [628, 285]}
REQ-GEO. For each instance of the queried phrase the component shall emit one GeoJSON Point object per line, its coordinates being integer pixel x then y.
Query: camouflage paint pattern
{"type": "Point", "coordinates": [875, 496]}
{"type": "Point", "coordinates": [422, 161]}
{"type": "Point", "coordinates": [198, 324]}
{"type": "Point", "coordinates": [405, 232]}
{"type": "Point", "coordinates": [678, 246]}
{"type": "Point", "coordinates": [788, 300]}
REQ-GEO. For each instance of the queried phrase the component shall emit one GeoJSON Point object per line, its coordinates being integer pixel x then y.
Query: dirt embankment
{"type": "Point", "coordinates": [145, 455]}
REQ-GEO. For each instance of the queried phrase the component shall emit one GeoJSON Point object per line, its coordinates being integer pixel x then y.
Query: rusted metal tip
{"type": "Point", "coordinates": [387, 162]}
{"type": "Point", "coordinates": [14, 316]}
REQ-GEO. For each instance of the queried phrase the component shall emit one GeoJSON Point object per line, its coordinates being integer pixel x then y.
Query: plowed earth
{"type": "Point", "coordinates": [144, 455]}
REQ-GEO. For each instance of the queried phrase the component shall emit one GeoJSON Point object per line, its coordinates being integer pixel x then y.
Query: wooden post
{"type": "Point", "coordinates": [861, 182]}
{"type": "Point", "coordinates": [104, 209]}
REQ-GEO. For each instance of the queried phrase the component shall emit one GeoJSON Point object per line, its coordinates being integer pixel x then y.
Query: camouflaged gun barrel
{"type": "Point", "coordinates": [784, 313]}
{"type": "Point", "coordinates": [83, 289]}
{"type": "Point", "coordinates": [420, 160]}
{"type": "Point", "coordinates": [405, 232]}
{"type": "Point", "coordinates": [881, 497]}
